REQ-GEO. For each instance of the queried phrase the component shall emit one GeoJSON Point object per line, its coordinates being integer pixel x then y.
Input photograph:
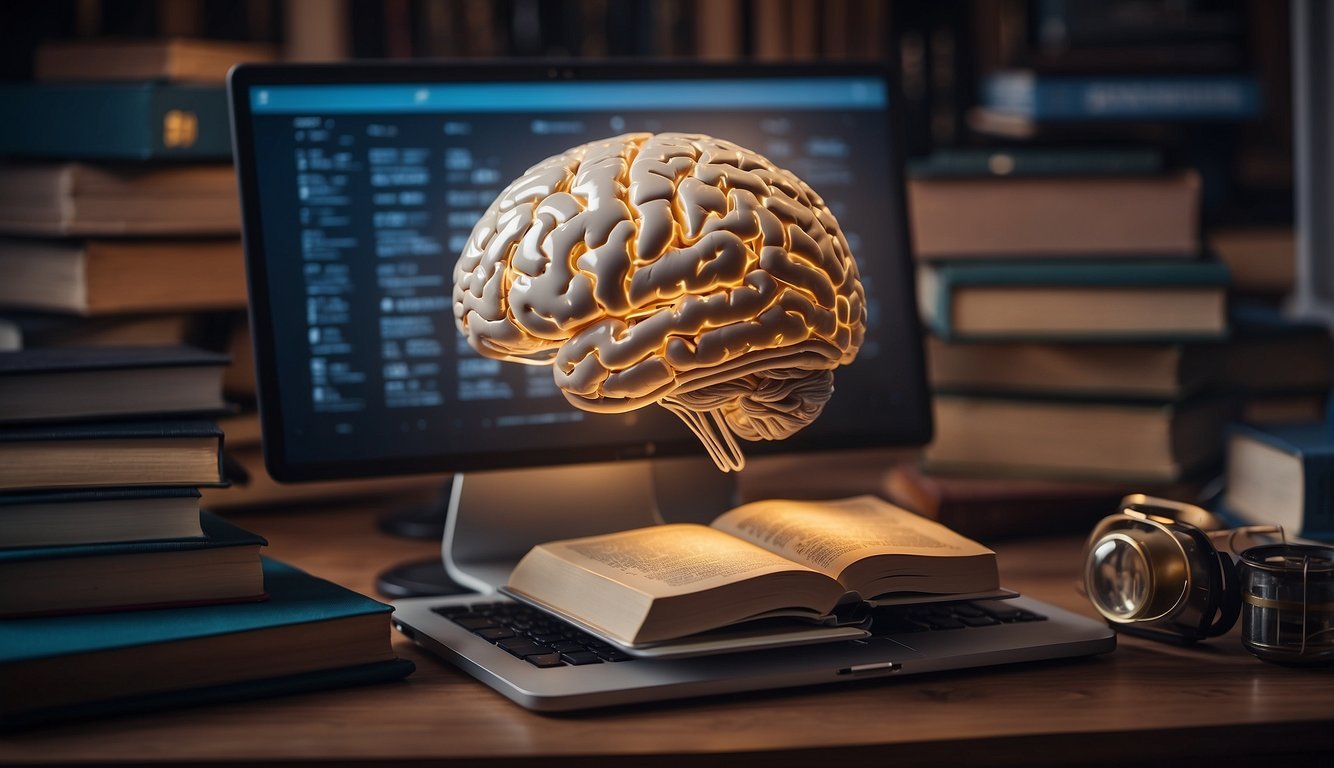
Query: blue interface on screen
{"type": "Point", "coordinates": [368, 193]}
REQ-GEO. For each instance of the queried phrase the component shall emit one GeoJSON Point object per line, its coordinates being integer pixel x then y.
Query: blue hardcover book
{"type": "Point", "coordinates": [309, 634]}
{"type": "Point", "coordinates": [1112, 301]}
{"type": "Point", "coordinates": [1282, 475]}
{"type": "Point", "coordinates": [1110, 98]}
{"type": "Point", "coordinates": [220, 566]}
{"type": "Point", "coordinates": [115, 121]}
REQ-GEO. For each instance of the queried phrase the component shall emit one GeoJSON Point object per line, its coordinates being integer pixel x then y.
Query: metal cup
{"type": "Point", "coordinates": [1287, 611]}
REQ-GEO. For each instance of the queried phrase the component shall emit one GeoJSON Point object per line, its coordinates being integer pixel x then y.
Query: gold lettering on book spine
{"type": "Point", "coordinates": [676, 269]}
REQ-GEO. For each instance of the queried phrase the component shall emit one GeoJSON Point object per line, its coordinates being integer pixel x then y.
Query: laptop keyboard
{"type": "Point", "coordinates": [545, 641]}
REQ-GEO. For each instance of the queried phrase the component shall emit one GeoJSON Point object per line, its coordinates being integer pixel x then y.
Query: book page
{"type": "Point", "coordinates": [667, 560]}
{"type": "Point", "coordinates": [828, 536]}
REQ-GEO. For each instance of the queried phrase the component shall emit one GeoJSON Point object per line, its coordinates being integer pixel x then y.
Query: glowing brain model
{"type": "Point", "coordinates": [676, 269]}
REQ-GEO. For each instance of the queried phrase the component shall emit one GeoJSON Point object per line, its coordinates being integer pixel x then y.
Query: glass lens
{"type": "Point", "coordinates": [1118, 578]}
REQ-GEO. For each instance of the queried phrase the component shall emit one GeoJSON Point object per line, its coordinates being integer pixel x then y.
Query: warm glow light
{"type": "Point", "coordinates": [676, 269]}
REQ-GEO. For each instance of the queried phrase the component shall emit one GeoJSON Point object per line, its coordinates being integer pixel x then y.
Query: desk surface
{"type": "Point", "coordinates": [1145, 702]}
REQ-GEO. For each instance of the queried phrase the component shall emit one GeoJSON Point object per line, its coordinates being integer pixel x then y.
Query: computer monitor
{"type": "Point", "coordinates": [361, 183]}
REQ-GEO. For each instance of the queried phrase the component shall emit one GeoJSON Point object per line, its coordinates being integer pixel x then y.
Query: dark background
{"type": "Point", "coordinates": [943, 49]}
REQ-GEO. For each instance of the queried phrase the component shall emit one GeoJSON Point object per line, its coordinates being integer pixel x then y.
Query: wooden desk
{"type": "Point", "coordinates": [1145, 702]}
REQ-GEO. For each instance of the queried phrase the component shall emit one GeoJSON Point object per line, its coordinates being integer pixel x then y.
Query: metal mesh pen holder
{"type": "Point", "coordinates": [1287, 611]}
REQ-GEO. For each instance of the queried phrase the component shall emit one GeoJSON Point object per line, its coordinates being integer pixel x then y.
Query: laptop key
{"type": "Point", "coordinates": [579, 658]}
{"type": "Point", "coordinates": [978, 621]}
{"type": "Point", "coordinates": [565, 646]}
{"type": "Point", "coordinates": [495, 633]}
{"type": "Point", "coordinates": [474, 623]}
{"type": "Point", "coordinates": [522, 647]}
{"type": "Point", "coordinates": [1000, 611]}
{"type": "Point", "coordinates": [544, 660]}
{"type": "Point", "coordinates": [611, 654]}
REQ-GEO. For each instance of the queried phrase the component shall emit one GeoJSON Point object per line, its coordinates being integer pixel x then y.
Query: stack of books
{"type": "Point", "coordinates": [1080, 338]}
{"type": "Point", "coordinates": [1072, 322]}
{"type": "Point", "coordinates": [117, 591]}
{"type": "Point", "coordinates": [123, 229]}
{"type": "Point", "coordinates": [119, 214]}
{"type": "Point", "coordinates": [1071, 341]}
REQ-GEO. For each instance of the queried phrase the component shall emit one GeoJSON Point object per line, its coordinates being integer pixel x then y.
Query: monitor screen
{"type": "Point", "coordinates": [361, 185]}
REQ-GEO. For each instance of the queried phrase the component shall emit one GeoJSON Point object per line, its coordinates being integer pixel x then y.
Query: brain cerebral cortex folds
{"type": "Point", "coordinates": [674, 268]}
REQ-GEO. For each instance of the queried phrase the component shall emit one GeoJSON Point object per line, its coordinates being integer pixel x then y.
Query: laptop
{"type": "Point", "coordinates": [360, 185]}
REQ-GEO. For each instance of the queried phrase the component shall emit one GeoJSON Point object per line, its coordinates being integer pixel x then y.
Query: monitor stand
{"type": "Point", "coordinates": [496, 517]}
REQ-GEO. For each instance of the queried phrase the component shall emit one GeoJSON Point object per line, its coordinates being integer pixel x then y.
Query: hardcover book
{"type": "Point", "coordinates": [97, 516]}
{"type": "Point", "coordinates": [1106, 97]}
{"type": "Point", "coordinates": [104, 277]}
{"type": "Point", "coordinates": [115, 121]}
{"type": "Point", "coordinates": [1149, 370]}
{"type": "Point", "coordinates": [1074, 439]}
{"type": "Point", "coordinates": [178, 60]}
{"type": "Point", "coordinates": [172, 453]}
{"type": "Point", "coordinates": [102, 382]}
{"type": "Point", "coordinates": [309, 634]}
{"type": "Point", "coordinates": [220, 566]}
{"type": "Point", "coordinates": [1282, 475]}
{"type": "Point", "coordinates": [1074, 301]}
{"type": "Point", "coordinates": [1029, 217]}
{"type": "Point", "coordinates": [159, 330]}
{"type": "Point", "coordinates": [767, 559]}
{"type": "Point", "coordinates": [118, 200]}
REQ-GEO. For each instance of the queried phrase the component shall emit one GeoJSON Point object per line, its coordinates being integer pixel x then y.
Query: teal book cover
{"type": "Point", "coordinates": [940, 284]}
{"type": "Point", "coordinates": [94, 495]}
{"type": "Point", "coordinates": [295, 598]}
{"type": "Point", "coordinates": [1203, 96]}
{"type": "Point", "coordinates": [1311, 447]}
{"type": "Point", "coordinates": [115, 121]}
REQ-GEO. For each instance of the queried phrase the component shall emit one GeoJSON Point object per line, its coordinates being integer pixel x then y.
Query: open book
{"type": "Point", "coordinates": [761, 560]}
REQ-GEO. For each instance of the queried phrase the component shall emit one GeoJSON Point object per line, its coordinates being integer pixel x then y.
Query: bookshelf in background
{"type": "Point", "coordinates": [1078, 96]}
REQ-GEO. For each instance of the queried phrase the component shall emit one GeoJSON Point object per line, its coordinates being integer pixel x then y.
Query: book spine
{"type": "Point", "coordinates": [1200, 97]}
{"type": "Point", "coordinates": [116, 122]}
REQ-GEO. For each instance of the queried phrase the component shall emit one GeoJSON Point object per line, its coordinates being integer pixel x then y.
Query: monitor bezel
{"type": "Point", "coordinates": [914, 429]}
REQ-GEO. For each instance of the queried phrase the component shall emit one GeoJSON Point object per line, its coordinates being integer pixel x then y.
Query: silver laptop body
{"type": "Point", "coordinates": [563, 688]}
